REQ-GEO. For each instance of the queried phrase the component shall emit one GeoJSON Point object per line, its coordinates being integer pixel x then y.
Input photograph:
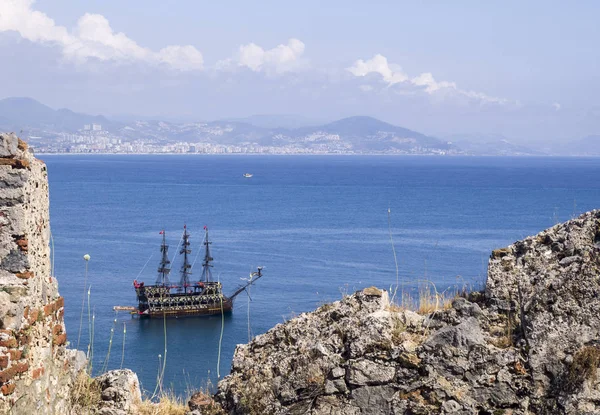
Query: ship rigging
{"type": "Point", "coordinates": [188, 298]}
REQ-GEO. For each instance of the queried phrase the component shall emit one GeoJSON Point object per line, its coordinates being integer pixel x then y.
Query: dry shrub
{"type": "Point", "coordinates": [504, 335]}
{"type": "Point", "coordinates": [204, 402]}
{"type": "Point", "coordinates": [502, 342]}
{"type": "Point", "coordinates": [585, 366]}
{"type": "Point", "coordinates": [397, 330]}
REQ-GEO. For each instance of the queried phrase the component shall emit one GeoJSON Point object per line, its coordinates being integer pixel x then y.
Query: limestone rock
{"type": "Point", "coordinates": [120, 391]}
{"type": "Point", "coordinates": [552, 281]}
{"type": "Point", "coordinates": [530, 345]}
{"type": "Point", "coordinates": [8, 144]}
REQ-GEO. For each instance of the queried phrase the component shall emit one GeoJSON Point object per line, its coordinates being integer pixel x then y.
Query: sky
{"type": "Point", "coordinates": [527, 70]}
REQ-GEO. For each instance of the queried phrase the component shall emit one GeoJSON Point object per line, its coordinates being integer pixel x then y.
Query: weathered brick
{"type": "Point", "coordinates": [37, 373]}
{"type": "Point", "coordinates": [56, 330]}
{"type": "Point", "coordinates": [15, 354]}
{"type": "Point", "coordinates": [33, 316]}
{"type": "Point", "coordinates": [25, 275]}
{"type": "Point", "coordinates": [3, 362]}
{"type": "Point", "coordinates": [23, 244]}
{"type": "Point", "coordinates": [7, 374]}
{"type": "Point", "coordinates": [8, 389]}
{"type": "Point", "coordinates": [60, 302]}
{"type": "Point", "coordinates": [10, 343]}
{"type": "Point", "coordinates": [60, 339]}
{"type": "Point", "coordinates": [48, 309]}
{"type": "Point", "coordinates": [24, 338]}
{"type": "Point", "coordinates": [21, 367]}
{"type": "Point", "coordinates": [26, 312]}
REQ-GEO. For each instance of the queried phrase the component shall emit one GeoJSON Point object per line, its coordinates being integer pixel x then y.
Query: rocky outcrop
{"type": "Point", "coordinates": [119, 391]}
{"type": "Point", "coordinates": [551, 282]}
{"type": "Point", "coordinates": [528, 345]}
{"type": "Point", "coordinates": [36, 369]}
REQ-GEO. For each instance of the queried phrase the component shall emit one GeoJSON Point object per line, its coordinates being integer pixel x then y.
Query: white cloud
{"type": "Point", "coordinates": [93, 37]}
{"type": "Point", "coordinates": [378, 64]}
{"type": "Point", "coordinates": [393, 74]}
{"type": "Point", "coordinates": [556, 106]}
{"type": "Point", "coordinates": [280, 59]}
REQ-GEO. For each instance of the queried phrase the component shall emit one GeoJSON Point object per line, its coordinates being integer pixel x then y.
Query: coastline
{"type": "Point", "coordinates": [549, 156]}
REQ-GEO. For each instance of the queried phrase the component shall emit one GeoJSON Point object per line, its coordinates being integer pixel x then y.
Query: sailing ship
{"type": "Point", "coordinates": [188, 298]}
{"type": "Point", "coordinates": [247, 175]}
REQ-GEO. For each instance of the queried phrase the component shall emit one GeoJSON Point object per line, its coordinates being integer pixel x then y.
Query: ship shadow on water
{"type": "Point", "coordinates": [193, 324]}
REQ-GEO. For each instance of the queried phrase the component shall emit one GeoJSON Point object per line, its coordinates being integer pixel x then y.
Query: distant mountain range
{"type": "Point", "coordinates": [491, 145]}
{"type": "Point", "coordinates": [349, 135]}
{"type": "Point", "coordinates": [26, 113]}
{"type": "Point", "coordinates": [353, 135]}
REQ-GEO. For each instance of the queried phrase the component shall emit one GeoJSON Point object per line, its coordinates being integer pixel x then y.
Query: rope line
{"type": "Point", "coordinates": [82, 304]}
{"type": "Point", "coordinates": [144, 267]}
{"type": "Point", "coordinates": [220, 339]}
{"type": "Point", "coordinates": [395, 258]}
{"type": "Point", "coordinates": [123, 352]}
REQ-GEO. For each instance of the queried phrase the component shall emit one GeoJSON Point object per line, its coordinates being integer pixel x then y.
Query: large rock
{"type": "Point", "coordinates": [9, 144]}
{"type": "Point", "coordinates": [530, 345]}
{"type": "Point", "coordinates": [120, 392]}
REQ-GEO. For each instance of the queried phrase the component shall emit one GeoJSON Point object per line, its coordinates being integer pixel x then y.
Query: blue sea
{"type": "Point", "coordinates": [319, 225]}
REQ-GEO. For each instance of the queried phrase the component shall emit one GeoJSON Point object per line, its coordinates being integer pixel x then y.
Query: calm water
{"type": "Point", "coordinates": [319, 225]}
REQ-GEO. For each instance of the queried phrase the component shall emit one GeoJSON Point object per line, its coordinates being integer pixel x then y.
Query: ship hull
{"type": "Point", "coordinates": [204, 310]}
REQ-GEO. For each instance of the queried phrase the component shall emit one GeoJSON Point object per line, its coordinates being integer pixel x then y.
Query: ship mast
{"type": "Point", "coordinates": [206, 266]}
{"type": "Point", "coordinates": [163, 267]}
{"type": "Point", "coordinates": [186, 267]}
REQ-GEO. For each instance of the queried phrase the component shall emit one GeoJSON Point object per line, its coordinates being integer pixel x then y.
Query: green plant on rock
{"type": "Point", "coordinates": [397, 329]}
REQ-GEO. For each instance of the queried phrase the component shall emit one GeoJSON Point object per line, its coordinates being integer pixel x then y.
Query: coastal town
{"type": "Point", "coordinates": [94, 139]}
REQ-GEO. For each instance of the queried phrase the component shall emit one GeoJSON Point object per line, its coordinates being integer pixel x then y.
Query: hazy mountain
{"type": "Point", "coordinates": [491, 145]}
{"type": "Point", "coordinates": [18, 114]}
{"type": "Point", "coordinates": [276, 121]}
{"type": "Point", "coordinates": [586, 146]}
{"type": "Point", "coordinates": [364, 134]}
{"type": "Point", "coordinates": [359, 134]}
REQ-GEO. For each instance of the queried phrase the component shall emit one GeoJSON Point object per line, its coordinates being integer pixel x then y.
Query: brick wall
{"type": "Point", "coordinates": [35, 366]}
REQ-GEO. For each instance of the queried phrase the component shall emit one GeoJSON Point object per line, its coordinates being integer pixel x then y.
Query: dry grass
{"type": "Point", "coordinates": [426, 301]}
{"type": "Point", "coordinates": [86, 392]}
{"type": "Point", "coordinates": [432, 301]}
{"type": "Point", "coordinates": [168, 404]}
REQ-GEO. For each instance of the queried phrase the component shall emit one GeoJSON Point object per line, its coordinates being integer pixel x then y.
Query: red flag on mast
{"type": "Point", "coordinates": [161, 232]}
